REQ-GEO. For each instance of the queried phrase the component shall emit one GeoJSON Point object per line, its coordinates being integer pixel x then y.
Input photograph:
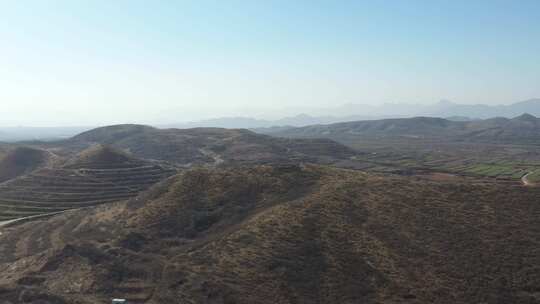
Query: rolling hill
{"type": "Point", "coordinates": [521, 129]}
{"type": "Point", "coordinates": [209, 146]}
{"type": "Point", "coordinates": [500, 148]}
{"type": "Point", "coordinates": [284, 234]}
{"type": "Point", "coordinates": [115, 163]}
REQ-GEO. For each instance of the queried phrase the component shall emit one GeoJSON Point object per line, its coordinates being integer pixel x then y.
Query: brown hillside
{"type": "Point", "coordinates": [101, 156]}
{"type": "Point", "coordinates": [284, 234]}
{"type": "Point", "coordinates": [523, 129]}
{"type": "Point", "coordinates": [210, 146]}
{"type": "Point", "coordinates": [21, 160]}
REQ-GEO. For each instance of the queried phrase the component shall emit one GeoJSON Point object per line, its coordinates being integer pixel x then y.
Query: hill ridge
{"type": "Point", "coordinates": [497, 129]}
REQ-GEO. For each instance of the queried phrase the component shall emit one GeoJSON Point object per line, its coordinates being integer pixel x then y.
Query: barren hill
{"type": "Point", "coordinates": [209, 146]}
{"type": "Point", "coordinates": [521, 129]}
{"type": "Point", "coordinates": [284, 234]}
{"type": "Point", "coordinates": [101, 156]}
{"type": "Point", "coordinates": [22, 160]}
{"type": "Point", "coordinates": [117, 162]}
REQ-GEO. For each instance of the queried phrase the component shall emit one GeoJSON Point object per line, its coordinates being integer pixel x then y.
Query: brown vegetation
{"type": "Point", "coordinates": [285, 234]}
{"type": "Point", "coordinates": [204, 146]}
{"type": "Point", "coordinates": [20, 161]}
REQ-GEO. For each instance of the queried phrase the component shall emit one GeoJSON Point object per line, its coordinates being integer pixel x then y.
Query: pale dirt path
{"type": "Point", "coordinates": [216, 157]}
{"type": "Point", "coordinates": [526, 181]}
{"type": "Point", "coordinates": [5, 223]}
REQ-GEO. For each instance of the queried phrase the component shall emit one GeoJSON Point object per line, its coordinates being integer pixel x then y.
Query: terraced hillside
{"type": "Point", "coordinates": [284, 234]}
{"type": "Point", "coordinates": [97, 176]}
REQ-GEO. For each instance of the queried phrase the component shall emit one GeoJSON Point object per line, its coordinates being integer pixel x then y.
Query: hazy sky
{"type": "Point", "coordinates": [97, 62]}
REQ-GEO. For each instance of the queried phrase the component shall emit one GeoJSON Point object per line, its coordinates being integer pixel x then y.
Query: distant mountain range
{"type": "Point", "coordinates": [344, 113]}
{"type": "Point", "coordinates": [355, 112]}
{"type": "Point", "coordinates": [449, 109]}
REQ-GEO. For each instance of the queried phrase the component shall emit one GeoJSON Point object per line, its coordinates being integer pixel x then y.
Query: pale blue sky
{"type": "Point", "coordinates": [98, 62]}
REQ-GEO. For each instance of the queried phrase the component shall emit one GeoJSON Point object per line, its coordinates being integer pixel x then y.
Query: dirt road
{"type": "Point", "coordinates": [5, 223]}
{"type": "Point", "coordinates": [526, 181]}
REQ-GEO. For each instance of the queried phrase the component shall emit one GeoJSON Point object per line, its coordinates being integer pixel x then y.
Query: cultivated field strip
{"type": "Point", "coordinates": [84, 185]}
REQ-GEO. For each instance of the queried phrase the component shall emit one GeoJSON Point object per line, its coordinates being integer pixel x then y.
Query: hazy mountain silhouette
{"type": "Point", "coordinates": [344, 113]}
{"type": "Point", "coordinates": [354, 112]}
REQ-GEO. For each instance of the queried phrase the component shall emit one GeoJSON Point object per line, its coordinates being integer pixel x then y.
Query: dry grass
{"type": "Point", "coordinates": [287, 234]}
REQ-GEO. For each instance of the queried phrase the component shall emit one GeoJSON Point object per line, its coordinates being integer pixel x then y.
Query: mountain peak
{"type": "Point", "coordinates": [526, 117]}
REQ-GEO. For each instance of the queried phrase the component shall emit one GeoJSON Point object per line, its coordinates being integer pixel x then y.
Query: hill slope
{"type": "Point", "coordinates": [21, 160]}
{"type": "Point", "coordinates": [284, 234]}
{"type": "Point", "coordinates": [97, 175]}
{"type": "Point", "coordinates": [101, 156]}
{"type": "Point", "coordinates": [521, 129]}
{"type": "Point", "coordinates": [210, 146]}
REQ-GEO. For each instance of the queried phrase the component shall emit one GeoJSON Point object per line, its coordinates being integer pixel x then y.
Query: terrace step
{"type": "Point", "coordinates": [4, 207]}
{"type": "Point", "coordinates": [56, 204]}
{"type": "Point", "coordinates": [119, 172]}
{"type": "Point", "coordinates": [121, 169]}
{"type": "Point", "coordinates": [20, 213]}
{"type": "Point", "coordinates": [51, 198]}
{"type": "Point", "coordinates": [135, 291]}
{"type": "Point", "coordinates": [74, 189]}
{"type": "Point", "coordinates": [105, 191]}
{"type": "Point", "coordinates": [83, 185]}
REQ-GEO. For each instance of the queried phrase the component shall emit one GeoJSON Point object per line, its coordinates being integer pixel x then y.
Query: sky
{"type": "Point", "coordinates": [102, 62]}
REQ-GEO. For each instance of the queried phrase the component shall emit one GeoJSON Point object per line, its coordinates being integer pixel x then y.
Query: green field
{"type": "Point", "coordinates": [500, 166]}
{"type": "Point", "coordinates": [500, 170]}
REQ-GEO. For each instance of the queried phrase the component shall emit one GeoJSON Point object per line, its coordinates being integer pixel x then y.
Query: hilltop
{"type": "Point", "coordinates": [99, 156]}
{"type": "Point", "coordinates": [284, 234]}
